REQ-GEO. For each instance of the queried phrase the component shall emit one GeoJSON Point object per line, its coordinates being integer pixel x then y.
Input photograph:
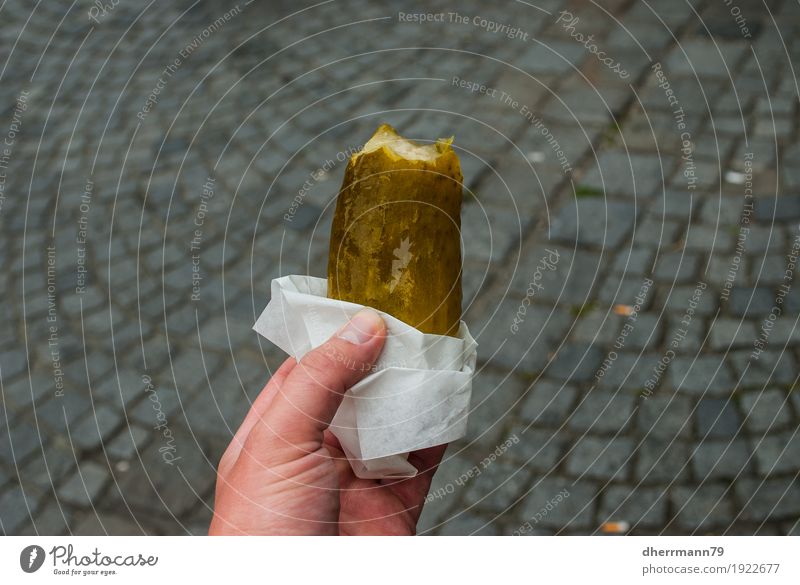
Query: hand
{"type": "Point", "coordinates": [285, 473]}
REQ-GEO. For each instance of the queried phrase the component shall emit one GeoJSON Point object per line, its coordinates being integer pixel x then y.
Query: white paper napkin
{"type": "Point", "coordinates": [417, 397]}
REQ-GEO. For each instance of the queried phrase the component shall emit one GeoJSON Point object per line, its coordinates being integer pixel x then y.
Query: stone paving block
{"type": "Point", "coordinates": [761, 239]}
{"type": "Point", "coordinates": [547, 403]}
{"type": "Point", "coordinates": [726, 334]}
{"type": "Point", "coordinates": [777, 209]}
{"type": "Point", "coordinates": [97, 428]}
{"type": "Point", "coordinates": [638, 261]}
{"type": "Point", "coordinates": [675, 204]}
{"type": "Point", "coordinates": [700, 375]}
{"type": "Point", "coordinates": [682, 298]}
{"type": "Point", "coordinates": [127, 443]}
{"type": "Point", "coordinates": [15, 509]}
{"type": "Point", "coordinates": [642, 507]}
{"type": "Point", "coordinates": [629, 371]}
{"type": "Point", "coordinates": [771, 367]}
{"type": "Point", "coordinates": [715, 459]}
{"type": "Point", "coordinates": [102, 524]}
{"type": "Point", "coordinates": [125, 386]}
{"type": "Point", "coordinates": [716, 417]}
{"type": "Point", "coordinates": [163, 403]}
{"type": "Point", "coordinates": [600, 458]}
{"type": "Point", "coordinates": [657, 233]}
{"type": "Point", "coordinates": [497, 487]}
{"type": "Point", "coordinates": [597, 327]}
{"type": "Point", "coordinates": [156, 486]}
{"type": "Point", "coordinates": [538, 450]}
{"type": "Point", "coordinates": [712, 240]}
{"type": "Point", "coordinates": [85, 485]}
{"type": "Point", "coordinates": [24, 391]}
{"type": "Point", "coordinates": [573, 511]}
{"type": "Point", "coordinates": [784, 332]}
{"type": "Point", "coordinates": [445, 491]}
{"type": "Point", "coordinates": [666, 416]}
{"type": "Point", "coordinates": [553, 57]}
{"type": "Point", "coordinates": [46, 470]}
{"type": "Point", "coordinates": [571, 281]}
{"type": "Point", "coordinates": [677, 268]}
{"type": "Point", "coordinates": [689, 339]}
{"type": "Point", "coordinates": [765, 410]}
{"type": "Point", "coordinates": [646, 333]}
{"type": "Point", "coordinates": [593, 221]}
{"type": "Point", "coordinates": [13, 362]}
{"type": "Point", "coordinates": [466, 524]}
{"type": "Point", "coordinates": [575, 363]}
{"type": "Point", "coordinates": [751, 301]}
{"type": "Point", "coordinates": [702, 508]}
{"type": "Point", "coordinates": [662, 461]}
{"type": "Point", "coordinates": [51, 520]}
{"type": "Point", "coordinates": [219, 410]}
{"type": "Point", "coordinates": [612, 173]}
{"type": "Point", "coordinates": [603, 411]}
{"type": "Point", "coordinates": [19, 443]}
{"type": "Point", "coordinates": [624, 290]}
{"type": "Point", "coordinates": [768, 498]}
{"type": "Point", "coordinates": [777, 453]}
{"type": "Point", "coordinates": [491, 232]}
{"type": "Point", "coordinates": [495, 400]}
{"type": "Point", "coordinates": [768, 270]}
{"type": "Point", "coordinates": [225, 334]}
{"type": "Point", "coordinates": [728, 269]}
{"type": "Point", "coordinates": [518, 337]}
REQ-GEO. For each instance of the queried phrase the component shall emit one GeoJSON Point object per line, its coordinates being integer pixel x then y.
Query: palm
{"type": "Point", "coordinates": [369, 506]}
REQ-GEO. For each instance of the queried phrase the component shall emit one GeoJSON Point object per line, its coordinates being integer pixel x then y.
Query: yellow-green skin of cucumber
{"type": "Point", "coordinates": [396, 236]}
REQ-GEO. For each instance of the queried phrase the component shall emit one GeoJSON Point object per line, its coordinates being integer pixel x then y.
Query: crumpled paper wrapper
{"type": "Point", "coordinates": [417, 396]}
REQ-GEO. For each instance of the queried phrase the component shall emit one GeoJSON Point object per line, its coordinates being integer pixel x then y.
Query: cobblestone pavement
{"type": "Point", "coordinates": [633, 198]}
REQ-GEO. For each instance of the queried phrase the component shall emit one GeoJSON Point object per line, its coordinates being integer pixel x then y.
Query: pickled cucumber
{"type": "Point", "coordinates": [396, 235]}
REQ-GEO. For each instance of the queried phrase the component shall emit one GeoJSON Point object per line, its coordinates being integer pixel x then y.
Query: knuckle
{"type": "Point", "coordinates": [322, 362]}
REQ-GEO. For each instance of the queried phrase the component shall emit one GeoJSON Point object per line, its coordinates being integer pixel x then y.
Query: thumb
{"type": "Point", "coordinates": [313, 390]}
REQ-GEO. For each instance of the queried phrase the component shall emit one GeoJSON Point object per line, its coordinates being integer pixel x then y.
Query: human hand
{"type": "Point", "coordinates": [285, 473]}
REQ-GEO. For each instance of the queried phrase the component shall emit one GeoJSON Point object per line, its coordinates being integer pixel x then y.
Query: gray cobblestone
{"type": "Point", "coordinates": [714, 459]}
{"type": "Point", "coordinates": [708, 507]}
{"type": "Point", "coordinates": [716, 417]}
{"type": "Point", "coordinates": [602, 412]}
{"type": "Point", "coordinates": [728, 334]}
{"type": "Point", "coordinates": [665, 416]}
{"type": "Point", "coordinates": [574, 512]}
{"type": "Point", "coordinates": [662, 461]}
{"type": "Point", "coordinates": [593, 222]}
{"type": "Point", "coordinates": [600, 458]}
{"type": "Point", "coordinates": [85, 485]}
{"type": "Point", "coordinates": [751, 302]}
{"type": "Point", "coordinates": [701, 375]}
{"type": "Point", "coordinates": [575, 363]}
{"type": "Point", "coordinates": [15, 510]}
{"type": "Point", "coordinates": [644, 507]}
{"type": "Point", "coordinates": [91, 432]}
{"type": "Point", "coordinates": [677, 267]}
{"type": "Point", "coordinates": [765, 410]}
{"type": "Point", "coordinates": [772, 367]}
{"type": "Point", "coordinates": [777, 453]}
{"type": "Point", "coordinates": [770, 498]}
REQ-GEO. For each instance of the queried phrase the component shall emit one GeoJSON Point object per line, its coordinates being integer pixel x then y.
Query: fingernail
{"type": "Point", "coordinates": [362, 327]}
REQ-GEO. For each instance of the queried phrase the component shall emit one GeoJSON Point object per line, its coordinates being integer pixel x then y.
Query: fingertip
{"type": "Point", "coordinates": [364, 326]}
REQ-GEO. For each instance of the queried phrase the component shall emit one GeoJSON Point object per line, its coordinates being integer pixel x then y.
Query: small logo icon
{"type": "Point", "coordinates": [31, 558]}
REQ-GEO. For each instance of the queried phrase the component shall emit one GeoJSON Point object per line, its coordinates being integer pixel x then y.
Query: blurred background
{"type": "Point", "coordinates": [630, 229]}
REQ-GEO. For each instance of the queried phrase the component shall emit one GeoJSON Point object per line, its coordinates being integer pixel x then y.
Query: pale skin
{"type": "Point", "coordinates": [284, 473]}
